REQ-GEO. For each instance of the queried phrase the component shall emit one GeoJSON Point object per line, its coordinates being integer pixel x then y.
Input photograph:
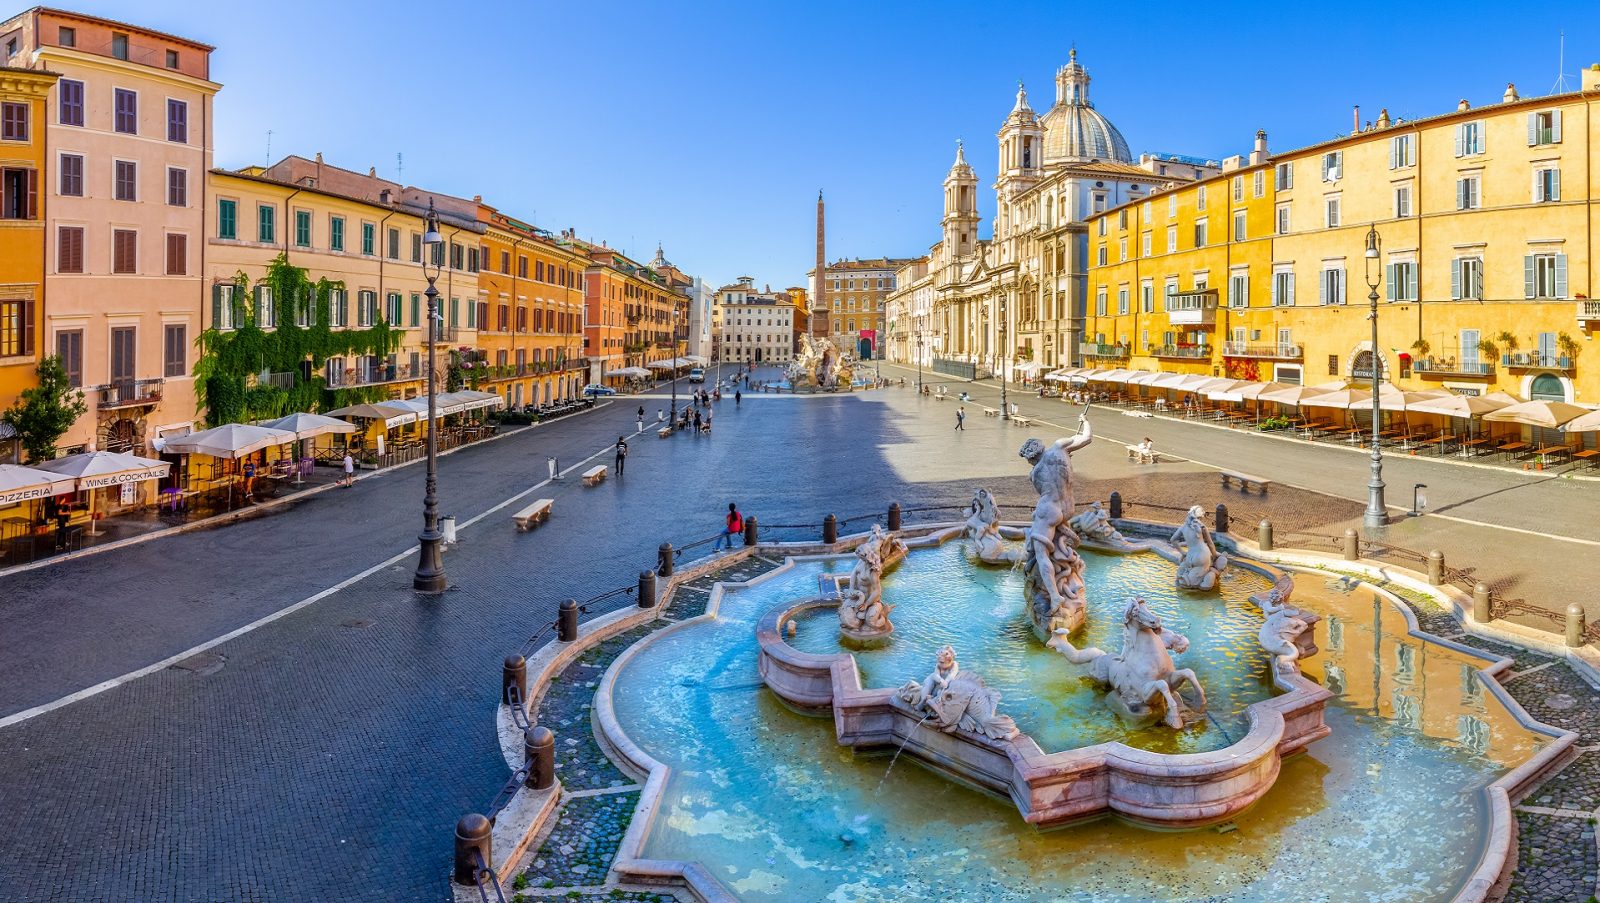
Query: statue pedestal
{"type": "Point", "coordinates": [865, 639]}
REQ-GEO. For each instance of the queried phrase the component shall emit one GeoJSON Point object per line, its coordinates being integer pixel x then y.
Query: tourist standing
{"type": "Point", "coordinates": [349, 470]}
{"type": "Point", "coordinates": [622, 454]}
{"type": "Point", "coordinates": [961, 419]}
{"type": "Point", "coordinates": [732, 524]}
{"type": "Point", "coordinates": [738, 397]}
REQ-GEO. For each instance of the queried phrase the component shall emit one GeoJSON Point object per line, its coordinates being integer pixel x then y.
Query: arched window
{"type": "Point", "coordinates": [1361, 366]}
{"type": "Point", "coordinates": [1546, 388]}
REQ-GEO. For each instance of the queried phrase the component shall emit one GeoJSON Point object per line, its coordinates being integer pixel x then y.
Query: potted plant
{"type": "Point", "coordinates": [1569, 350]}
{"type": "Point", "coordinates": [1421, 347]}
{"type": "Point", "coordinates": [1510, 342]}
{"type": "Point", "coordinates": [1489, 349]}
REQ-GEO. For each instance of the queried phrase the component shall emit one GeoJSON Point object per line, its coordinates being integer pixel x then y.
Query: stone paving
{"type": "Point", "coordinates": [580, 847]}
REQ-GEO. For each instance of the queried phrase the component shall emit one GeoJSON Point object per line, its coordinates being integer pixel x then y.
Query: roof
{"type": "Point", "coordinates": [85, 17]}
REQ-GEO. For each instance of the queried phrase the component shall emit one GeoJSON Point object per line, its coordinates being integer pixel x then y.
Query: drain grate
{"type": "Point", "coordinates": [202, 663]}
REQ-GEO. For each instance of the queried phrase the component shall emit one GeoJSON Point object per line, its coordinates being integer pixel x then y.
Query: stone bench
{"type": "Point", "coordinates": [990, 412]}
{"type": "Point", "coordinates": [1245, 481]}
{"type": "Point", "coordinates": [533, 515]}
{"type": "Point", "coordinates": [1140, 457]}
{"type": "Point", "coordinates": [1022, 419]}
{"type": "Point", "coordinates": [594, 475]}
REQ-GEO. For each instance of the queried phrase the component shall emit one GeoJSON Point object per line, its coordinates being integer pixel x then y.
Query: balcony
{"type": "Point", "coordinates": [446, 335]}
{"type": "Point", "coordinates": [128, 393]}
{"type": "Point", "coordinates": [1534, 360]}
{"type": "Point", "coordinates": [1589, 312]}
{"type": "Point", "coordinates": [1449, 367]}
{"type": "Point", "coordinates": [1283, 352]}
{"type": "Point", "coordinates": [371, 376]}
{"type": "Point", "coordinates": [1193, 308]}
{"type": "Point", "coordinates": [1098, 350]}
{"type": "Point", "coordinates": [1182, 352]}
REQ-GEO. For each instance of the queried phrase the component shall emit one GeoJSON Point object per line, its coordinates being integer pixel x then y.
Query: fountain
{"type": "Point", "coordinates": [1054, 570]}
{"type": "Point", "coordinates": [817, 366]}
{"type": "Point", "coordinates": [1201, 565]}
{"type": "Point", "coordinates": [863, 618]}
{"type": "Point", "coordinates": [983, 532]}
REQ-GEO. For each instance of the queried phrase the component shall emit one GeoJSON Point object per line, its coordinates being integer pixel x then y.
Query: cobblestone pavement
{"type": "Point", "coordinates": [327, 755]}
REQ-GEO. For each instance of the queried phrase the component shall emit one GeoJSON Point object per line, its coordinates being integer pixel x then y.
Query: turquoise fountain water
{"type": "Point", "coordinates": [1390, 807]}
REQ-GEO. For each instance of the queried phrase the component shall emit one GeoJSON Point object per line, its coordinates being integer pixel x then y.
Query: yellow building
{"type": "Point", "coordinates": [22, 166]}
{"type": "Point", "coordinates": [530, 313]}
{"type": "Point", "coordinates": [1486, 273]}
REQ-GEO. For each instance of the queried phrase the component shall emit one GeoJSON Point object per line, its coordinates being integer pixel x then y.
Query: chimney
{"type": "Point", "coordinates": [372, 172]}
{"type": "Point", "coordinates": [319, 158]}
{"type": "Point", "coordinates": [1355, 120]}
{"type": "Point", "coordinates": [1258, 154]}
{"type": "Point", "coordinates": [1591, 78]}
{"type": "Point", "coordinates": [383, 196]}
{"type": "Point", "coordinates": [1383, 118]}
{"type": "Point", "coordinates": [1463, 105]}
{"type": "Point", "coordinates": [1511, 94]}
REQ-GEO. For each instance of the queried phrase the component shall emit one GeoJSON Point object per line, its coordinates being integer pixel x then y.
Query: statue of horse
{"type": "Point", "coordinates": [1143, 671]}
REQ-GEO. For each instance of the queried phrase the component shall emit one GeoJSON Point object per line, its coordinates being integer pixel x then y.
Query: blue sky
{"type": "Point", "coordinates": [710, 126]}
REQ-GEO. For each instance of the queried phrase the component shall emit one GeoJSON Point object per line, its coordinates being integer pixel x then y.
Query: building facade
{"type": "Point", "coordinates": [635, 315]}
{"type": "Point", "coordinates": [856, 292]}
{"type": "Point", "coordinates": [758, 327]}
{"type": "Point", "coordinates": [1485, 267]}
{"type": "Point", "coordinates": [529, 314]}
{"type": "Point", "coordinates": [908, 313]}
{"type": "Point", "coordinates": [24, 95]}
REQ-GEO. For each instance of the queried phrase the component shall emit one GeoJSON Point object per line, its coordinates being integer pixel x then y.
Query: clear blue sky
{"type": "Point", "coordinates": [710, 126]}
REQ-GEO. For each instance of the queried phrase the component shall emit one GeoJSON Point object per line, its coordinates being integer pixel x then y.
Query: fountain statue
{"type": "Point", "coordinates": [953, 699]}
{"type": "Point", "coordinates": [1143, 670]}
{"type": "Point", "coordinates": [863, 616]}
{"type": "Point", "coordinates": [1281, 631]}
{"type": "Point", "coordinates": [1199, 564]}
{"type": "Point", "coordinates": [983, 531]}
{"type": "Point", "coordinates": [1094, 524]}
{"type": "Point", "coordinates": [1053, 572]}
{"type": "Point", "coordinates": [817, 365]}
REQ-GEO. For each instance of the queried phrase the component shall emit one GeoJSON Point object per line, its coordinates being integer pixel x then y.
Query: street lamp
{"type": "Point", "coordinates": [1377, 513]}
{"type": "Point", "coordinates": [919, 355]}
{"type": "Point", "coordinates": [430, 565]}
{"type": "Point", "coordinates": [674, 370]}
{"type": "Point", "coordinates": [1005, 411]}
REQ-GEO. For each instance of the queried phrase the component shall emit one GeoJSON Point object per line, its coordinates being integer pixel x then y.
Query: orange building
{"type": "Point", "coordinates": [530, 313]}
{"type": "Point", "coordinates": [635, 318]}
{"type": "Point", "coordinates": [22, 165]}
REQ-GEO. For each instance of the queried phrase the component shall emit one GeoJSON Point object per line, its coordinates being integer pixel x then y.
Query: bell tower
{"type": "Point", "coordinates": [1021, 159]}
{"type": "Point", "coordinates": [960, 207]}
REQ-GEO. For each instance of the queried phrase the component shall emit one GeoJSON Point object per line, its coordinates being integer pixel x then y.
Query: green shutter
{"type": "Point", "coordinates": [1527, 276]}
{"type": "Point", "coordinates": [216, 306]}
{"type": "Point", "coordinates": [1455, 279]}
{"type": "Point", "coordinates": [416, 309]}
{"type": "Point", "coordinates": [1561, 275]}
{"type": "Point", "coordinates": [1388, 273]}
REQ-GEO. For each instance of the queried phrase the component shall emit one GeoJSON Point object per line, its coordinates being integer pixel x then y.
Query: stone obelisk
{"type": "Point", "coordinates": [819, 294]}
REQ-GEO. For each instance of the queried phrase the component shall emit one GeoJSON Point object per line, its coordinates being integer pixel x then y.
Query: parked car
{"type": "Point", "coordinates": [697, 375]}
{"type": "Point", "coordinates": [594, 389]}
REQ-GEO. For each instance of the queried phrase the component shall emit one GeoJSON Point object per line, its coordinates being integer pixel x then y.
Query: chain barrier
{"type": "Point", "coordinates": [481, 870]}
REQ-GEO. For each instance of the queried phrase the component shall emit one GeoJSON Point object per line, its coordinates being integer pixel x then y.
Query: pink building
{"type": "Point", "coordinates": [129, 144]}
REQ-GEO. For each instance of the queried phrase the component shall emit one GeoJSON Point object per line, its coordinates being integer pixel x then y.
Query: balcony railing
{"type": "Point", "coordinates": [1281, 352]}
{"type": "Point", "coordinates": [283, 380]}
{"type": "Point", "coordinates": [1185, 352]}
{"type": "Point", "coordinates": [1588, 310]}
{"type": "Point", "coordinates": [446, 335]}
{"type": "Point", "coordinates": [1449, 366]}
{"type": "Point", "coordinates": [1534, 360]}
{"type": "Point", "coordinates": [1095, 349]}
{"type": "Point", "coordinates": [130, 392]}
{"type": "Point", "coordinates": [370, 376]}
{"type": "Point", "coordinates": [1197, 308]}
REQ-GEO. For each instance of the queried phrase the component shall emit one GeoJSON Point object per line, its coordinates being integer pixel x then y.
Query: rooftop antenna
{"type": "Point", "coordinates": [269, 147]}
{"type": "Point", "coordinates": [400, 165]}
{"type": "Point", "coordinates": [1561, 66]}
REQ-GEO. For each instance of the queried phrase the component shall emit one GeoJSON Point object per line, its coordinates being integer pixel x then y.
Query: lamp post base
{"type": "Point", "coordinates": [430, 577]}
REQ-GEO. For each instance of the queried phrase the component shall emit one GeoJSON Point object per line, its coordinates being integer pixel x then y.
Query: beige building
{"type": "Point", "coordinates": [757, 327]}
{"type": "Point", "coordinates": [129, 138]}
{"type": "Point", "coordinates": [908, 316]}
{"type": "Point", "coordinates": [857, 291]}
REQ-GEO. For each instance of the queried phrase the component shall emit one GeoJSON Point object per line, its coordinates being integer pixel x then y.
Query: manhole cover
{"type": "Point", "coordinates": [1560, 702]}
{"type": "Point", "coordinates": [203, 663]}
{"type": "Point", "coordinates": [358, 622]}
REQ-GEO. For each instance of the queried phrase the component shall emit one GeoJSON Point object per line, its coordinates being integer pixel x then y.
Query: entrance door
{"type": "Point", "coordinates": [864, 349]}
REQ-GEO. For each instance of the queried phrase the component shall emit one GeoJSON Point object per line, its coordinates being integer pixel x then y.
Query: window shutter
{"type": "Point", "coordinates": [1461, 132]}
{"type": "Point", "coordinates": [260, 312]}
{"type": "Point", "coordinates": [1411, 283]}
{"type": "Point", "coordinates": [216, 306]}
{"type": "Point", "coordinates": [1394, 146]}
{"type": "Point", "coordinates": [1322, 287]}
{"type": "Point", "coordinates": [1538, 186]}
{"type": "Point", "coordinates": [1477, 138]}
{"type": "Point", "coordinates": [1461, 194]}
{"type": "Point", "coordinates": [1533, 129]}
{"type": "Point", "coordinates": [1324, 167]}
{"type": "Point", "coordinates": [1389, 276]}
{"type": "Point", "coordinates": [33, 194]}
{"type": "Point", "coordinates": [1527, 276]}
{"type": "Point", "coordinates": [1455, 279]}
{"type": "Point", "coordinates": [1555, 126]}
{"type": "Point", "coordinates": [1555, 185]}
{"type": "Point", "coordinates": [1561, 275]}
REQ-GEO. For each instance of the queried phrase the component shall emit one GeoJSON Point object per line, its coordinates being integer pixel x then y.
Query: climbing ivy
{"type": "Point", "coordinates": [230, 361]}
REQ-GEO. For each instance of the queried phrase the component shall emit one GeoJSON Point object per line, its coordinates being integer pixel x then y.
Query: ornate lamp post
{"type": "Point", "coordinates": [430, 576]}
{"type": "Point", "coordinates": [1005, 357]}
{"type": "Point", "coordinates": [919, 355]}
{"type": "Point", "coordinates": [674, 370]}
{"type": "Point", "coordinates": [1377, 513]}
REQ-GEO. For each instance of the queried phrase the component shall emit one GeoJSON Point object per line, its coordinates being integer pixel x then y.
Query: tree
{"type": "Point", "coordinates": [45, 412]}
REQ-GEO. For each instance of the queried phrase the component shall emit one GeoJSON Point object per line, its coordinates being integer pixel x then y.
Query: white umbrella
{"type": "Point", "coordinates": [305, 426]}
{"type": "Point", "coordinates": [1504, 397]}
{"type": "Point", "coordinates": [1587, 423]}
{"type": "Point", "coordinates": [94, 470]}
{"type": "Point", "coordinates": [1113, 376]}
{"type": "Point", "coordinates": [1247, 391]}
{"type": "Point", "coordinates": [1547, 414]}
{"type": "Point", "coordinates": [1344, 399]}
{"type": "Point", "coordinates": [1143, 377]}
{"type": "Point", "coordinates": [1168, 380]}
{"type": "Point", "coordinates": [629, 372]}
{"type": "Point", "coordinates": [23, 484]}
{"type": "Point", "coordinates": [391, 414]}
{"type": "Point", "coordinates": [1191, 382]}
{"type": "Point", "coordinates": [1459, 406]}
{"type": "Point", "coordinates": [660, 365]}
{"type": "Point", "coordinates": [1291, 395]}
{"type": "Point", "coordinates": [231, 440]}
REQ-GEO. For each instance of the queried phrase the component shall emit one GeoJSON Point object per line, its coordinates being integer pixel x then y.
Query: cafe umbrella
{"type": "Point", "coordinates": [100, 469]}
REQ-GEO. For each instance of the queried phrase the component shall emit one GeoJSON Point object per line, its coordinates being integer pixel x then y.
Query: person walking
{"type": "Point", "coordinates": [738, 397]}
{"type": "Point", "coordinates": [641, 414]}
{"type": "Point", "coordinates": [961, 419]}
{"type": "Point", "coordinates": [622, 454]}
{"type": "Point", "coordinates": [697, 420]}
{"type": "Point", "coordinates": [349, 470]}
{"type": "Point", "coordinates": [732, 525]}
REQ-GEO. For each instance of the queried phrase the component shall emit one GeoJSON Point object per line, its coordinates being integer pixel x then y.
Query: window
{"type": "Point", "coordinates": [1332, 166]}
{"type": "Point", "coordinates": [1144, 245]}
{"type": "Point", "coordinates": [338, 307]}
{"type": "Point", "coordinates": [1122, 300]}
{"type": "Point", "coordinates": [366, 308]}
{"type": "Point", "coordinates": [1147, 297]}
{"type": "Point", "coordinates": [126, 116]}
{"type": "Point", "coordinates": [1402, 279]}
{"type": "Point", "coordinates": [1402, 151]}
{"type": "Point", "coordinates": [1469, 139]}
{"type": "Point", "coordinates": [335, 233]}
{"type": "Point", "coordinates": [1283, 288]}
{"type": "Point", "coordinates": [172, 59]}
{"type": "Point", "coordinates": [125, 180]}
{"type": "Point", "coordinates": [1238, 188]}
{"type": "Point", "coordinates": [1172, 239]}
{"type": "Point", "coordinates": [227, 218]}
{"type": "Point", "coordinates": [1101, 227]}
{"type": "Point", "coordinates": [392, 309]}
{"type": "Point", "coordinates": [305, 309]}
{"type": "Point", "coordinates": [1546, 184]}
{"type": "Point", "coordinates": [177, 254]}
{"type": "Point", "coordinates": [1099, 259]}
{"type": "Point", "coordinates": [1200, 227]}
{"type": "Point", "coordinates": [522, 267]}
{"type": "Point", "coordinates": [1172, 205]}
{"type": "Point", "coordinates": [177, 121]}
{"type": "Point", "coordinates": [1544, 127]}
{"type": "Point", "coordinates": [19, 193]}
{"type": "Point", "coordinates": [1283, 176]}
{"type": "Point", "coordinates": [472, 259]}
{"type": "Point", "coordinates": [1545, 276]}
{"type": "Point", "coordinates": [1200, 198]}
{"type": "Point", "coordinates": [70, 106]}
{"type": "Point", "coordinates": [1402, 201]}
{"type": "Point", "coordinates": [1122, 249]}
{"type": "Point", "coordinates": [1468, 196]}
{"type": "Point", "coordinates": [416, 248]}
{"type": "Point", "coordinates": [1330, 289]}
{"type": "Point", "coordinates": [13, 121]}
{"type": "Point", "coordinates": [266, 308]}
{"type": "Point", "coordinates": [67, 37]}
{"type": "Point", "coordinates": [369, 239]}
{"type": "Point", "coordinates": [1238, 225]}
{"type": "Point", "coordinates": [119, 45]}
{"type": "Point", "coordinates": [1100, 301]}
{"type": "Point", "coordinates": [1466, 279]}
{"type": "Point", "coordinates": [16, 327]}
{"type": "Point", "coordinates": [70, 183]}
{"type": "Point", "coordinates": [175, 350]}
{"type": "Point", "coordinates": [1469, 349]}
{"type": "Point", "coordinates": [416, 310]}
{"type": "Point", "coordinates": [124, 251]}
{"type": "Point", "coordinates": [302, 228]}
{"type": "Point", "coordinates": [69, 249]}
{"type": "Point", "coordinates": [1259, 180]}
{"type": "Point", "coordinates": [457, 257]}
{"type": "Point", "coordinates": [1283, 219]}
{"type": "Point", "coordinates": [69, 347]}
{"type": "Point", "coordinates": [266, 223]}
{"type": "Point", "coordinates": [1239, 289]}
{"type": "Point", "coordinates": [222, 308]}
{"type": "Point", "coordinates": [1331, 220]}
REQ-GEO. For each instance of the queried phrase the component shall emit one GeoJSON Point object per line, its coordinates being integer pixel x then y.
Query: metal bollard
{"type": "Point", "coordinates": [647, 589]}
{"type": "Point", "coordinates": [472, 842]}
{"type": "Point", "coordinates": [1264, 536]}
{"type": "Point", "coordinates": [1435, 567]}
{"type": "Point", "coordinates": [539, 745]}
{"type": "Point", "coordinates": [1116, 505]}
{"type": "Point", "coordinates": [751, 531]}
{"type": "Point", "coordinates": [664, 560]}
{"type": "Point", "coordinates": [1352, 546]}
{"type": "Point", "coordinates": [1222, 519]}
{"type": "Point", "coordinates": [567, 622]}
{"type": "Point", "coordinates": [1575, 624]}
{"type": "Point", "coordinates": [1480, 604]}
{"type": "Point", "coordinates": [894, 516]}
{"type": "Point", "coordinates": [830, 530]}
{"type": "Point", "coordinates": [514, 674]}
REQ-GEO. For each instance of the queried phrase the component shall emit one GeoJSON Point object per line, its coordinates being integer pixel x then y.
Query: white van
{"type": "Point", "coordinates": [697, 375]}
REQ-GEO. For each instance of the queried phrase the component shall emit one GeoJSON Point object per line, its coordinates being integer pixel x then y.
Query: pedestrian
{"type": "Point", "coordinates": [961, 419]}
{"type": "Point", "coordinates": [732, 525]}
{"type": "Point", "coordinates": [641, 413]}
{"type": "Point", "coordinates": [697, 420]}
{"type": "Point", "coordinates": [622, 454]}
{"type": "Point", "coordinates": [349, 470]}
{"type": "Point", "coordinates": [738, 397]}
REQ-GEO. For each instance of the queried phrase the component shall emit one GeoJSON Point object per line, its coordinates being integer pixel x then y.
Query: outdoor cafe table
{"type": "Point", "coordinates": [1550, 451]}
{"type": "Point", "coordinates": [1471, 446]}
{"type": "Point", "coordinates": [1586, 454]}
{"type": "Point", "coordinates": [1440, 440]}
{"type": "Point", "coordinates": [1511, 448]}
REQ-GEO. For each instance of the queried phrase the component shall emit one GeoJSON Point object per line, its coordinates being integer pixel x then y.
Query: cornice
{"type": "Point", "coordinates": [27, 82]}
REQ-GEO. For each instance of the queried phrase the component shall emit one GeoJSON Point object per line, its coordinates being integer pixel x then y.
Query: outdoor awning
{"type": "Point", "coordinates": [1191, 382]}
{"type": "Point", "coordinates": [1030, 367]}
{"type": "Point", "coordinates": [391, 415]}
{"type": "Point", "coordinates": [231, 440]}
{"type": "Point", "coordinates": [660, 365]}
{"type": "Point", "coordinates": [1343, 399]}
{"type": "Point", "coordinates": [1222, 386]}
{"type": "Point", "coordinates": [1547, 414]}
{"type": "Point", "coordinates": [696, 360]}
{"type": "Point", "coordinates": [1391, 398]}
{"type": "Point", "coordinates": [629, 372]}
{"type": "Point", "coordinates": [24, 484]}
{"type": "Point", "coordinates": [94, 470]}
{"type": "Point", "coordinates": [1292, 395]}
{"type": "Point", "coordinates": [1463, 406]}
{"type": "Point", "coordinates": [304, 426]}
{"type": "Point", "coordinates": [1061, 376]}
{"type": "Point", "coordinates": [1246, 391]}
{"type": "Point", "coordinates": [1118, 376]}
{"type": "Point", "coordinates": [1588, 423]}
{"type": "Point", "coordinates": [474, 400]}
{"type": "Point", "coordinates": [1143, 377]}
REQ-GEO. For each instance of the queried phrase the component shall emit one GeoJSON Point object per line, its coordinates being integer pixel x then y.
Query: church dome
{"type": "Point", "coordinates": [1075, 132]}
